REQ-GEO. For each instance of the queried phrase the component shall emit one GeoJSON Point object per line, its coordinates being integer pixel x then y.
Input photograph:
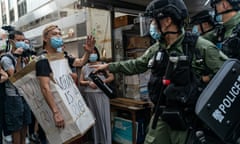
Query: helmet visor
{"type": "Point", "coordinates": [145, 22]}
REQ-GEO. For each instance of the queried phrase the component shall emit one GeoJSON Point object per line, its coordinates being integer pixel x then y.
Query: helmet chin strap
{"type": "Point", "coordinates": [224, 12]}
{"type": "Point", "coordinates": [171, 32]}
{"type": "Point", "coordinates": [165, 33]}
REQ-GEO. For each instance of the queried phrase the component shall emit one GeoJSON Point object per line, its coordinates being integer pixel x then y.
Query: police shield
{"type": "Point", "coordinates": [218, 105]}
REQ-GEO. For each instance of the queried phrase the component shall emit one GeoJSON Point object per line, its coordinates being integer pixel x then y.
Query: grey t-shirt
{"type": "Point", "coordinates": [7, 63]}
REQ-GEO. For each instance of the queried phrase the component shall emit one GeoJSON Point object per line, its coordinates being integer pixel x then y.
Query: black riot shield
{"type": "Point", "coordinates": [219, 104]}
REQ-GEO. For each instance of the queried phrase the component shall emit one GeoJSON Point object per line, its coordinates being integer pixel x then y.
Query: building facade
{"type": "Point", "coordinates": [76, 22]}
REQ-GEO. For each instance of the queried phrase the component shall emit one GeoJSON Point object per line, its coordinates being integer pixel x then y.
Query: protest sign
{"type": "Point", "coordinates": [77, 116]}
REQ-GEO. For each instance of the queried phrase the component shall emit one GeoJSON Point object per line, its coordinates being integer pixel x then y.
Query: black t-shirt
{"type": "Point", "coordinates": [43, 67]}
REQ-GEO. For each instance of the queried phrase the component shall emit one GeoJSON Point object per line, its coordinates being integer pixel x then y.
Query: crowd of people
{"type": "Point", "coordinates": [188, 59]}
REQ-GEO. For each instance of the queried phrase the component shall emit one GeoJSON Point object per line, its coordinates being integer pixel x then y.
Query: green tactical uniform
{"type": "Point", "coordinates": [163, 134]}
{"type": "Point", "coordinates": [229, 26]}
{"type": "Point", "coordinates": [139, 65]}
{"type": "Point", "coordinates": [210, 36]}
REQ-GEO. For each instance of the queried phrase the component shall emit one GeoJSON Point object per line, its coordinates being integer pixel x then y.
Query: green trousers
{"type": "Point", "coordinates": [163, 134]}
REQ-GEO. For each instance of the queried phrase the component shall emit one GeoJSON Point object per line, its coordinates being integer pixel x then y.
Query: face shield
{"type": "Point", "coordinates": [145, 22]}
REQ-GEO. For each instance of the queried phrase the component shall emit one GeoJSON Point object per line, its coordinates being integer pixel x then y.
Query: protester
{"type": "Point", "coordinates": [17, 113]}
{"type": "Point", "coordinates": [97, 100]}
{"type": "Point", "coordinates": [52, 43]}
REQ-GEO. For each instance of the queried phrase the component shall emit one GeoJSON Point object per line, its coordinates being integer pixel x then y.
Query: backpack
{"type": "Point", "coordinates": [182, 90]}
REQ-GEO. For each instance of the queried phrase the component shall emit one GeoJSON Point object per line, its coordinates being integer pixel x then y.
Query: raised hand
{"type": "Point", "coordinates": [90, 43]}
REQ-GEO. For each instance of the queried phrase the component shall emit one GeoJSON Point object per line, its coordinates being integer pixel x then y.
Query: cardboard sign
{"type": "Point", "coordinates": [77, 116]}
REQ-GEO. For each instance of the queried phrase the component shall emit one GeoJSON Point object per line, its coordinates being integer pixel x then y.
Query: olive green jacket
{"type": "Point", "coordinates": [210, 36]}
{"type": "Point", "coordinates": [229, 26]}
{"type": "Point", "coordinates": [210, 53]}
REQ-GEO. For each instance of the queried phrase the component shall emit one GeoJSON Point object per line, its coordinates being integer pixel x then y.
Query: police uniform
{"type": "Point", "coordinates": [229, 26]}
{"type": "Point", "coordinates": [211, 57]}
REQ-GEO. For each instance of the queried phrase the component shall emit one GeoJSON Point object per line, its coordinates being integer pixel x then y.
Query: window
{"type": "Point", "coordinates": [12, 16]}
{"type": "Point", "coordinates": [3, 7]}
{"type": "Point", "coordinates": [22, 8]}
{"type": "Point", "coordinates": [4, 19]}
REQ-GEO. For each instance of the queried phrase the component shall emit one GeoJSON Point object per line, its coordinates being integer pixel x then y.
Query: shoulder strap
{"type": "Point", "coordinates": [220, 33]}
{"type": "Point", "coordinates": [189, 46]}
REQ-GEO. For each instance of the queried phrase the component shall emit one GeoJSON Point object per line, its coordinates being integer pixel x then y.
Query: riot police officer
{"type": "Point", "coordinates": [203, 22]}
{"type": "Point", "coordinates": [226, 12]}
{"type": "Point", "coordinates": [168, 20]}
{"type": "Point", "coordinates": [166, 27]}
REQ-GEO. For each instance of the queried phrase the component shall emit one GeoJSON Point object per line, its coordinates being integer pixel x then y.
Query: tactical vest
{"type": "Point", "coordinates": [182, 90]}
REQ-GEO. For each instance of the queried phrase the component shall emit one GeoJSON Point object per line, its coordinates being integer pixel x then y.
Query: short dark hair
{"type": "Point", "coordinates": [97, 52]}
{"type": "Point", "coordinates": [13, 33]}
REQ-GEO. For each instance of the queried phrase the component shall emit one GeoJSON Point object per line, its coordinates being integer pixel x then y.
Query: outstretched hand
{"type": "Point", "coordinates": [90, 43]}
{"type": "Point", "coordinates": [99, 67]}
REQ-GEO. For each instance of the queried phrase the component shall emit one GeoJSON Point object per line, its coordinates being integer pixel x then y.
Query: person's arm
{"type": "Point", "coordinates": [132, 66]}
{"type": "Point", "coordinates": [78, 62]}
{"type": "Point", "coordinates": [46, 91]}
{"type": "Point", "coordinates": [8, 65]}
{"type": "Point", "coordinates": [109, 78]}
{"type": "Point", "coordinates": [43, 73]}
{"type": "Point", "coordinates": [84, 82]}
{"type": "Point", "coordinates": [3, 75]}
{"type": "Point", "coordinates": [212, 56]}
{"type": "Point", "coordinates": [88, 47]}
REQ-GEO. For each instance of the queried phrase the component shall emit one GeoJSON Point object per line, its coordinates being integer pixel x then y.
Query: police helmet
{"type": "Point", "coordinates": [203, 16]}
{"type": "Point", "coordinates": [235, 3]}
{"type": "Point", "coordinates": [176, 9]}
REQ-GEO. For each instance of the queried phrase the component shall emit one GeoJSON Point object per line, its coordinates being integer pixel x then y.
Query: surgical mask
{"type": "Point", "coordinates": [195, 30]}
{"type": "Point", "coordinates": [93, 57]}
{"type": "Point", "coordinates": [21, 44]}
{"type": "Point", "coordinates": [27, 46]}
{"type": "Point", "coordinates": [154, 32]}
{"type": "Point", "coordinates": [56, 42]}
{"type": "Point", "coordinates": [218, 18]}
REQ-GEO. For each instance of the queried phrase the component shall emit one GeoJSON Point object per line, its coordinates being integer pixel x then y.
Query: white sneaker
{"type": "Point", "coordinates": [8, 139]}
